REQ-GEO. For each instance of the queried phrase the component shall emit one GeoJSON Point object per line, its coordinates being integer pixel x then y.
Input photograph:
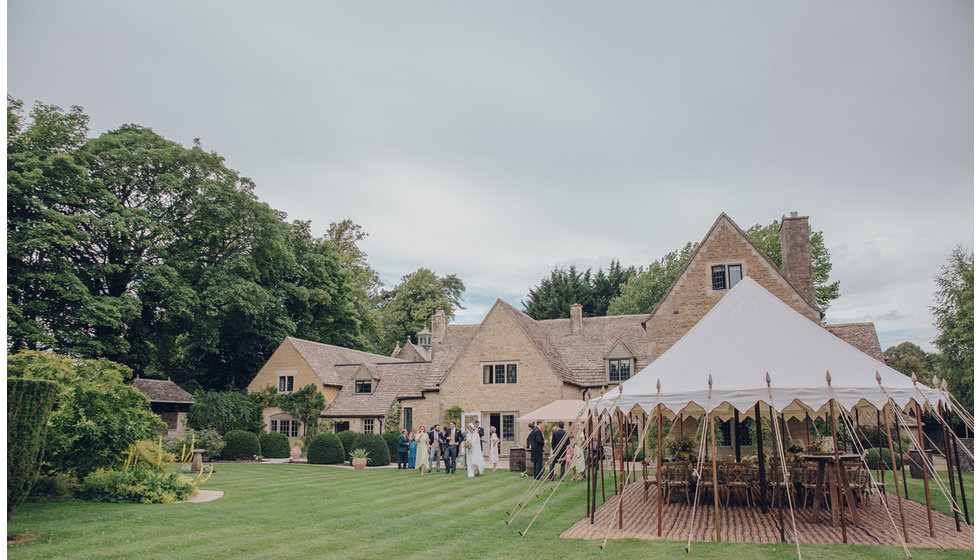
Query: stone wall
{"type": "Point", "coordinates": [501, 340]}
{"type": "Point", "coordinates": [692, 296]}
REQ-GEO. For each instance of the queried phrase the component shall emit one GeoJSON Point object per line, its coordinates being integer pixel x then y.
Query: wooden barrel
{"type": "Point", "coordinates": [518, 459]}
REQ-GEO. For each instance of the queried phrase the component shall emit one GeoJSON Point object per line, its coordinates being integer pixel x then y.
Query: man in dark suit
{"type": "Point", "coordinates": [403, 450]}
{"type": "Point", "coordinates": [436, 445]}
{"type": "Point", "coordinates": [453, 438]}
{"type": "Point", "coordinates": [558, 446]}
{"type": "Point", "coordinates": [537, 450]}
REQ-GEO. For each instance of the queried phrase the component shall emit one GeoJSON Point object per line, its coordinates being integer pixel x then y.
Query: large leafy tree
{"type": "Point", "coordinates": [131, 247]}
{"type": "Point", "coordinates": [642, 292]}
{"type": "Point", "coordinates": [766, 238]}
{"type": "Point", "coordinates": [553, 296]}
{"type": "Point", "coordinates": [910, 358]}
{"type": "Point", "coordinates": [953, 316]}
{"type": "Point", "coordinates": [408, 307]}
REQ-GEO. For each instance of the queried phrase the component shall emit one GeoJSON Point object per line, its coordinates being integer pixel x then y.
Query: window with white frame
{"type": "Point", "coordinates": [285, 383]}
{"type": "Point", "coordinates": [724, 277]}
{"type": "Point", "coordinates": [620, 369]}
{"type": "Point", "coordinates": [369, 425]}
{"type": "Point", "coordinates": [495, 374]}
{"type": "Point", "coordinates": [507, 427]}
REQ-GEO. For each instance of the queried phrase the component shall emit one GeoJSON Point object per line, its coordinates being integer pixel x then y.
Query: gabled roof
{"type": "Point", "coordinates": [723, 218]}
{"type": "Point", "coordinates": [394, 380]}
{"type": "Point", "coordinates": [444, 354]}
{"type": "Point", "coordinates": [323, 357]}
{"type": "Point", "coordinates": [162, 391]}
{"type": "Point", "coordinates": [862, 336]}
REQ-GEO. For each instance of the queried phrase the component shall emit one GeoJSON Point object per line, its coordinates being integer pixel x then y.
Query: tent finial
{"type": "Point", "coordinates": [620, 388]}
{"type": "Point", "coordinates": [915, 378]}
{"type": "Point", "coordinates": [828, 378]}
{"type": "Point", "coordinates": [710, 381]}
{"type": "Point", "coordinates": [945, 386]}
{"type": "Point", "coordinates": [768, 379]}
{"type": "Point", "coordinates": [878, 377]}
{"type": "Point", "coordinates": [658, 384]}
{"type": "Point", "coordinates": [935, 381]}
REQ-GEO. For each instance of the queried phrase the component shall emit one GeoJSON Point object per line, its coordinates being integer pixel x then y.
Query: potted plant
{"type": "Point", "coordinates": [359, 457]}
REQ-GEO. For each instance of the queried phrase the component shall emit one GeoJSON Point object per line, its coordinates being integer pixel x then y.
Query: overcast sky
{"type": "Point", "coordinates": [496, 140]}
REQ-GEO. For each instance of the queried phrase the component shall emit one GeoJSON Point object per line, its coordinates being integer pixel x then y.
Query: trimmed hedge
{"type": "Point", "coordinates": [325, 449]}
{"type": "Point", "coordinates": [240, 444]}
{"type": "Point", "coordinates": [886, 458]}
{"type": "Point", "coordinates": [274, 446]}
{"type": "Point", "coordinates": [29, 404]}
{"type": "Point", "coordinates": [375, 446]}
{"type": "Point", "coordinates": [347, 438]}
{"type": "Point", "coordinates": [391, 438]}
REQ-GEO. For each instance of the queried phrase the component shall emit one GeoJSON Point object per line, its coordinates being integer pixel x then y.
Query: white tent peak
{"type": "Point", "coordinates": [750, 335]}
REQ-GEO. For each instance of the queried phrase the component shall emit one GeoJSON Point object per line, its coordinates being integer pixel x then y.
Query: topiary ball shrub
{"type": "Point", "coordinates": [240, 444]}
{"type": "Point", "coordinates": [391, 438]}
{"type": "Point", "coordinates": [325, 449]}
{"type": "Point", "coordinates": [274, 446]}
{"type": "Point", "coordinates": [347, 438]}
{"type": "Point", "coordinates": [376, 447]}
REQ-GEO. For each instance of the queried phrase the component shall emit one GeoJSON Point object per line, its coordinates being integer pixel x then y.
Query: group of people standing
{"type": "Point", "coordinates": [423, 448]}
{"type": "Point", "coordinates": [563, 454]}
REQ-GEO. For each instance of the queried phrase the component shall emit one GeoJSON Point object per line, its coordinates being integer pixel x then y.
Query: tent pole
{"type": "Point", "coordinates": [622, 470]}
{"type": "Point", "coordinates": [735, 432]}
{"type": "Point", "coordinates": [775, 453]}
{"type": "Point", "coordinates": [808, 428]}
{"type": "Point", "coordinates": [714, 470]}
{"type": "Point", "coordinates": [959, 471]}
{"type": "Point", "coordinates": [901, 506]}
{"type": "Point", "coordinates": [925, 471]}
{"type": "Point", "coordinates": [602, 468]}
{"type": "Point", "coordinates": [660, 497]}
{"type": "Point", "coordinates": [881, 459]}
{"type": "Point", "coordinates": [762, 461]}
{"type": "Point", "coordinates": [901, 454]}
{"type": "Point", "coordinates": [588, 468]}
{"type": "Point", "coordinates": [837, 468]}
{"type": "Point", "coordinates": [949, 470]}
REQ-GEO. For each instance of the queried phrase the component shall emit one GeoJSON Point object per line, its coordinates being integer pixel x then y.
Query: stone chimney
{"type": "Point", "coordinates": [575, 312]}
{"type": "Point", "coordinates": [438, 327]}
{"type": "Point", "coordinates": [794, 239]}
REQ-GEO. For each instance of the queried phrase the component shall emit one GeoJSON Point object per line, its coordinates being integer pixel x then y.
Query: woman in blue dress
{"type": "Point", "coordinates": [412, 448]}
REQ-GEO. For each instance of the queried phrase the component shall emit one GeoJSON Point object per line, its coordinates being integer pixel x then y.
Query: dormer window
{"type": "Point", "coordinates": [425, 341]}
{"type": "Point", "coordinates": [724, 277]}
{"type": "Point", "coordinates": [424, 337]}
{"type": "Point", "coordinates": [362, 387]}
{"type": "Point", "coordinates": [621, 369]}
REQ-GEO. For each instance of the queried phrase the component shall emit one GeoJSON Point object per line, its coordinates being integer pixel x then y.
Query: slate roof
{"type": "Point", "coordinates": [162, 391]}
{"type": "Point", "coordinates": [862, 336]}
{"type": "Point", "coordinates": [584, 356]}
{"type": "Point", "coordinates": [323, 357]}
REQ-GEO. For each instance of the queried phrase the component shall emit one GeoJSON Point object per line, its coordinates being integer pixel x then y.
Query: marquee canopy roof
{"type": "Point", "coordinates": [567, 411]}
{"type": "Point", "coordinates": [751, 333]}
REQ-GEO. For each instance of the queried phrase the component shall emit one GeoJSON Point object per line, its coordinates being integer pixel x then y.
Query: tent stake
{"type": "Point", "coordinates": [901, 506]}
{"type": "Point", "coordinates": [925, 471]}
{"type": "Point", "coordinates": [762, 460]}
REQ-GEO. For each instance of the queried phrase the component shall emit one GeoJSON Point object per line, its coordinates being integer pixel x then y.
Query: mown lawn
{"type": "Point", "coordinates": [917, 490]}
{"type": "Point", "coordinates": [302, 511]}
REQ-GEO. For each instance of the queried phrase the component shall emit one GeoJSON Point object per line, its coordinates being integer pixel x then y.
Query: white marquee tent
{"type": "Point", "coordinates": [751, 333]}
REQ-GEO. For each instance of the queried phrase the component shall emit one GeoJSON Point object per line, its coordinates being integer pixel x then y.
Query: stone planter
{"type": "Point", "coordinates": [359, 463]}
{"type": "Point", "coordinates": [297, 451]}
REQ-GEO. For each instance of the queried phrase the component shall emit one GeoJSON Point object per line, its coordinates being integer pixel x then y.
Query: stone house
{"type": "Point", "coordinates": [510, 364]}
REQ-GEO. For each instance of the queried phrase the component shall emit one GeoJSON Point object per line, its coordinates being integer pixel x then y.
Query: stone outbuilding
{"type": "Point", "coordinates": [168, 401]}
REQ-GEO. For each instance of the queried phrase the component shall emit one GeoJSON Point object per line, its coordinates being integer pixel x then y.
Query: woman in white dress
{"type": "Point", "coordinates": [494, 447]}
{"type": "Point", "coordinates": [474, 453]}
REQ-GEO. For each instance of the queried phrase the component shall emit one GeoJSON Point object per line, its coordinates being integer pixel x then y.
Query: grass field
{"type": "Point", "coordinates": [917, 490]}
{"type": "Point", "coordinates": [302, 511]}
